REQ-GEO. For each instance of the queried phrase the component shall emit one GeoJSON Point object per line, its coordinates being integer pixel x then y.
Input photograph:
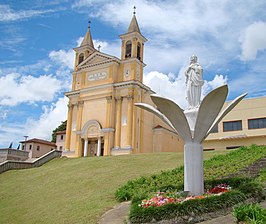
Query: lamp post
{"type": "Point", "coordinates": [26, 137]}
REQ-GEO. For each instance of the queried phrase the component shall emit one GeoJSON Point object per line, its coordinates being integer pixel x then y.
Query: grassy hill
{"type": "Point", "coordinates": [75, 190]}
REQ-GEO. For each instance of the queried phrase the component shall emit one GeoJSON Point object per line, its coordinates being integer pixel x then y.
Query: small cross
{"type": "Point", "coordinates": [134, 8]}
{"type": "Point", "coordinates": [99, 47]}
{"type": "Point", "coordinates": [89, 24]}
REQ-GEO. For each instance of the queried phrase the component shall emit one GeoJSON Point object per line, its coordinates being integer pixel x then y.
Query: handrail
{"type": "Point", "coordinates": [16, 165]}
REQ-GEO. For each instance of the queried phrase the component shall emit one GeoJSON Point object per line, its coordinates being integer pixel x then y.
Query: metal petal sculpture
{"type": "Point", "coordinates": [193, 126]}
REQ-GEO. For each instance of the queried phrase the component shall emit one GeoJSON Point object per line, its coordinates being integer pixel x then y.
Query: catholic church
{"type": "Point", "coordinates": [102, 118]}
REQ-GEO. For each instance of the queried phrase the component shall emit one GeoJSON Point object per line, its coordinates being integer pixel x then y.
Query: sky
{"type": "Point", "coordinates": [37, 38]}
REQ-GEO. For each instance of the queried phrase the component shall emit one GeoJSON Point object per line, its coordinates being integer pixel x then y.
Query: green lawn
{"type": "Point", "coordinates": [75, 190]}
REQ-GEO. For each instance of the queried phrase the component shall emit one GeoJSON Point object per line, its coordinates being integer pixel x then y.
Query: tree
{"type": "Point", "coordinates": [61, 127]}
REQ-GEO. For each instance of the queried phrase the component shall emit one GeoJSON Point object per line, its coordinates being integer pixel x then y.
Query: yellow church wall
{"type": "Point", "coordinates": [95, 110]}
{"type": "Point", "coordinates": [166, 141]}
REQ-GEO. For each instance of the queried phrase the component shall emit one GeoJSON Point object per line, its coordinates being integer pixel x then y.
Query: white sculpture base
{"type": "Point", "coordinates": [193, 168]}
{"type": "Point", "coordinates": [191, 115]}
{"type": "Point", "coordinates": [193, 159]}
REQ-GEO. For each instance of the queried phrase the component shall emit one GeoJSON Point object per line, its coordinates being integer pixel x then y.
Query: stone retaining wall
{"type": "Point", "coordinates": [15, 165]}
{"type": "Point", "coordinates": [13, 154]}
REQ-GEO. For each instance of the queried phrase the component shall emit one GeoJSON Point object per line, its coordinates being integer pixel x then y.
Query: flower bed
{"type": "Point", "coordinates": [182, 208]}
{"type": "Point", "coordinates": [162, 198]}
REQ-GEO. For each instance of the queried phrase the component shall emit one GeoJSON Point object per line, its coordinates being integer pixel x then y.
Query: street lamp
{"type": "Point", "coordinates": [26, 137]}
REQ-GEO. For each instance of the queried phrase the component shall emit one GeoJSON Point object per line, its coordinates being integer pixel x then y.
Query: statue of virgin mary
{"type": "Point", "coordinates": [194, 82]}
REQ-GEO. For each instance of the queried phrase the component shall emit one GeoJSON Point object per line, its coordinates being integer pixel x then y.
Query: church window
{"type": "Point", "coordinates": [128, 49]}
{"type": "Point", "coordinates": [138, 51]}
{"type": "Point", "coordinates": [81, 58]}
{"type": "Point", "coordinates": [38, 148]}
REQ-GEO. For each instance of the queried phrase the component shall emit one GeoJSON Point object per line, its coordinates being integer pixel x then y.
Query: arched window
{"type": "Point", "coordinates": [128, 49]}
{"type": "Point", "coordinates": [138, 51]}
{"type": "Point", "coordinates": [81, 58]}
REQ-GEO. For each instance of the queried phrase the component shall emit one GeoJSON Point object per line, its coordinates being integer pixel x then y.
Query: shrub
{"type": "Point", "coordinates": [250, 213]}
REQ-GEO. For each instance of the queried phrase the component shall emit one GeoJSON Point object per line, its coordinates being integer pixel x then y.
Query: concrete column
{"type": "Point", "coordinates": [86, 147]}
{"type": "Point", "coordinates": [78, 151]}
{"type": "Point", "coordinates": [69, 126]}
{"type": "Point", "coordinates": [99, 146]}
{"type": "Point", "coordinates": [107, 136]}
{"type": "Point", "coordinates": [118, 122]}
{"type": "Point", "coordinates": [193, 168]}
{"type": "Point", "coordinates": [129, 121]}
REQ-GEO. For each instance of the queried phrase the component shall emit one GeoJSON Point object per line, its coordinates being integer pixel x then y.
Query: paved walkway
{"type": "Point", "coordinates": [116, 215]}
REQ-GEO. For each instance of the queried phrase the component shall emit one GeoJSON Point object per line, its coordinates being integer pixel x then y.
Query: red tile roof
{"type": "Point", "coordinates": [61, 132]}
{"type": "Point", "coordinates": [41, 141]}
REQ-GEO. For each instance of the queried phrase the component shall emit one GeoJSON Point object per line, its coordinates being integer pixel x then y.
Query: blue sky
{"type": "Point", "coordinates": [36, 56]}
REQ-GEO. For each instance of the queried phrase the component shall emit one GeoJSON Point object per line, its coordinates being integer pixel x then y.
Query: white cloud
{"type": "Point", "coordinates": [42, 128]}
{"type": "Point", "coordinates": [16, 89]}
{"type": "Point", "coordinates": [217, 81]}
{"type": "Point", "coordinates": [253, 40]}
{"type": "Point", "coordinates": [177, 29]}
{"type": "Point", "coordinates": [7, 14]}
{"type": "Point", "coordinates": [63, 58]}
{"type": "Point", "coordinates": [163, 86]}
{"type": "Point", "coordinates": [51, 117]}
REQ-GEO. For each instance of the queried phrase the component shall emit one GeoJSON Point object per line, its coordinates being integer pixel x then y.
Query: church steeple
{"type": "Point", "coordinates": [132, 51]}
{"type": "Point", "coordinates": [85, 49]}
{"type": "Point", "coordinates": [134, 26]}
{"type": "Point", "coordinates": [87, 40]}
{"type": "Point", "coordinates": [133, 41]}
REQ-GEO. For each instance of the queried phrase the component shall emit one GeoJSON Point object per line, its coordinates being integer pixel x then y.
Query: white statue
{"type": "Point", "coordinates": [194, 82]}
{"type": "Point", "coordinates": [195, 124]}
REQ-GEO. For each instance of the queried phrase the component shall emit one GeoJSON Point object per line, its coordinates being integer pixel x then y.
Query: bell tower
{"type": "Point", "coordinates": [132, 51]}
{"type": "Point", "coordinates": [85, 49]}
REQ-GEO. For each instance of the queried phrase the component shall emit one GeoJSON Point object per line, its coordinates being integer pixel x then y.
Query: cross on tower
{"type": "Point", "coordinates": [134, 8]}
{"type": "Point", "coordinates": [89, 24]}
{"type": "Point", "coordinates": [99, 47]}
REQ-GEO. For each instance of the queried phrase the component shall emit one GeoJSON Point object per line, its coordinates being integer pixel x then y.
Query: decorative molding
{"type": "Point", "coordinates": [109, 98]}
{"type": "Point", "coordinates": [80, 103]}
{"type": "Point", "coordinates": [130, 97]}
{"type": "Point", "coordinates": [107, 130]}
{"type": "Point", "coordinates": [97, 76]}
{"type": "Point", "coordinates": [119, 85]}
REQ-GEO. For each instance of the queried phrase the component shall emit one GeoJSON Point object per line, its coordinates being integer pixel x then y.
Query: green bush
{"type": "Point", "coordinates": [250, 213]}
{"type": "Point", "coordinates": [215, 168]}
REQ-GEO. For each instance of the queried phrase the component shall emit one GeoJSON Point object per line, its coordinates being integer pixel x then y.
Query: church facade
{"type": "Point", "coordinates": [102, 118]}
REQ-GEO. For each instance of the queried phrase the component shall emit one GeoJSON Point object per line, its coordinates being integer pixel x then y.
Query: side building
{"type": "Point", "coordinates": [37, 147]}
{"type": "Point", "coordinates": [243, 126]}
{"type": "Point", "coordinates": [102, 119]}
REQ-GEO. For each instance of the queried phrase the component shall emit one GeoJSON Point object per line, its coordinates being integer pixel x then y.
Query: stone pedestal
{"type": "Point", "coordinates": [191, 116]}
{"type": "Point", "coordinates": [193, 168]}
{"type": "Point", "coordinates": [193, 159]}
